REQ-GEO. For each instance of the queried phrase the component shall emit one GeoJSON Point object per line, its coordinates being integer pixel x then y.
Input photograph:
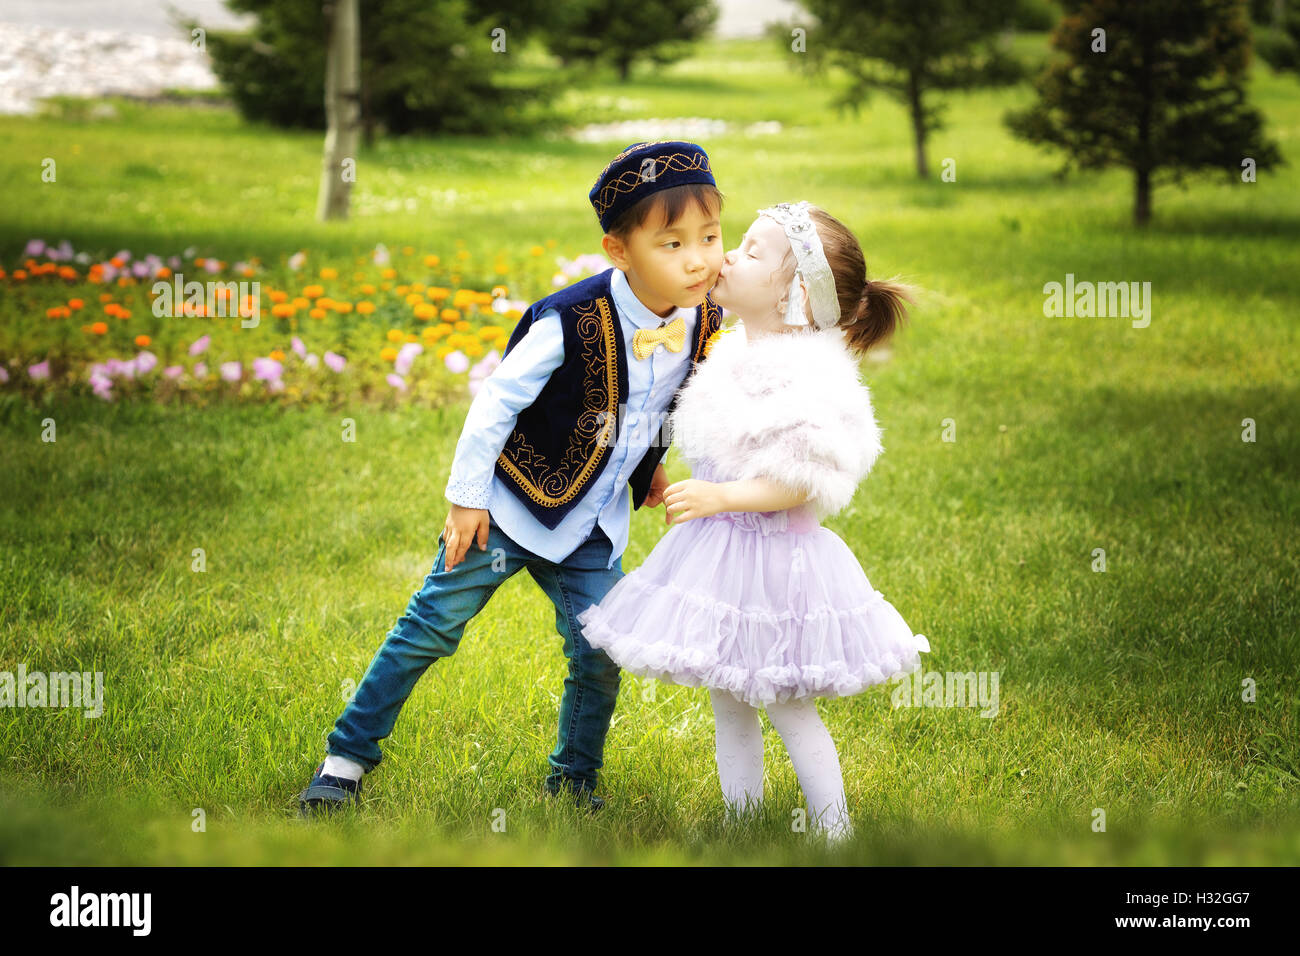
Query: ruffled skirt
{"type": "Point", "coordinates": [765, 606]}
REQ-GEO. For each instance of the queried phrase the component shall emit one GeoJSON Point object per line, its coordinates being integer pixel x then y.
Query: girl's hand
{"type": "Point", "coordinates": [693, 498]}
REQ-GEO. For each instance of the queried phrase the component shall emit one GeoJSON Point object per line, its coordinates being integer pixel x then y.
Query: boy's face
{"type": "Point", "coordinates": [671, 266]}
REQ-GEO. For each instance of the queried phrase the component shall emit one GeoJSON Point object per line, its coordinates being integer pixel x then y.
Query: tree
{"type": "Point", "coordinates": [342, 109]}
{"type": "Point", "coordinates": [1278, 40]}
{"type": "Point", "coordinates": [1157, 87]}
{"type": "Point", "coordinates": [911, 49]}
{"type": "Point", "coordinates": [624, 31]}
{"type": "Point", "coordinates": [426, 65]}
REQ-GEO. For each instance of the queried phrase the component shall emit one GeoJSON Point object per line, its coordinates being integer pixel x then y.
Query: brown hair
{"type": "Point", "coordinates": [870, 309]}
{"type": "Point", "coordinates": [673, 201]}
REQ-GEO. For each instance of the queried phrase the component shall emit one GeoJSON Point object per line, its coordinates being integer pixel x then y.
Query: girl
{"type": "Point", "coordinates": [747, 594]}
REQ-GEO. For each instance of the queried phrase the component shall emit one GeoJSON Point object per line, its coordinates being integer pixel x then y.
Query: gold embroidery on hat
{"type": "Point", "coordinates": [556, 485]}
{"type": "Point", "coordinates": [620, 184]}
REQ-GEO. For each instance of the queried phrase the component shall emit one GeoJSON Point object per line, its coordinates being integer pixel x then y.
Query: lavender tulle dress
{"type": "Point", "coordinates": [768, 606]}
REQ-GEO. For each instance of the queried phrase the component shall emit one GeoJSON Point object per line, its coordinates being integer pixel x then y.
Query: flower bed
{"type": "Point", "coordinates": [396, 327]}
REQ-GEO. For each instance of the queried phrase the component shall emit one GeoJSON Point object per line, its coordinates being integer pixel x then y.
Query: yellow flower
{"type": "Point", "coordinates": [343, 307]}
{"type": "Point", "coordinates": [490, 332]}
{"type": "Point", "coordinates": [329, 273]}
{"type": "Point", "coordinates": [536, 251]}
{"type": "Point", "coordinates": [443, 352]}
{"type": "Point", "coordinates": [314, 291]}
{"type": "Point", "coordinates": [282, 311]}
{"type": "Point", "coordinates": [443, 328]}
{"type": "Point", "coordinates": [394, 335]}
{"type": "Point", "coordinates": [414, 298]}
{"type": "Point", "coordinates": [317, 313]}
{"type": "Point", "coordinates": [462, 326]}
{"type": "Point", "coordinates": [437, 293]}
{"type": "Point", "coordinates": [365, 308]}
{"type": "Point", "coordinates": [302, 302]}
{"type": "Point", "coordinates": [431, 261]}
{"type": "Point", "coordinates": [388, 353]}
{"type": "Point", "coordinates": [425, 311]}
{"type": "Point", "coordinates": [449, 315]}
{"type": "Point", "coordinates": [367, 289]}
{"type": "Point", "coordinates": [389, 273]}
{"type": "Point", "coordinates": [473, 349]}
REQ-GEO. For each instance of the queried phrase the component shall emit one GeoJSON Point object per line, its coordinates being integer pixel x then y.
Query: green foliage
{"type": "Point", "coordinates": [622, 32]}
{"type": "Point", "coordinates": [1166, 95]}
{"type": "Point", "coordinates": [912, 49]}
{"type": "Point", "coordinates": [426, 65]}
{"type": "Point", "coordinates": [1278, 38]}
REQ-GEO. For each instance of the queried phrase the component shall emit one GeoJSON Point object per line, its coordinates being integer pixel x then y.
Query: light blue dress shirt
{"type": "Point", "coordinates": [516, 383]}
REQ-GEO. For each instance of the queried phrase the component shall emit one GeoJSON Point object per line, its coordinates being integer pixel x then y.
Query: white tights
{"type": "Point", "coordinates": [816, 763]}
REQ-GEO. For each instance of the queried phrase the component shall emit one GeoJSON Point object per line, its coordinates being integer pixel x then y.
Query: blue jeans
{"type": "Point", "coordinates": [432, 626]}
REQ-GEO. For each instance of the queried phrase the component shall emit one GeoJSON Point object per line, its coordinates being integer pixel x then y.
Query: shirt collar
{"type": "Point", "coordinates": [632, 309]}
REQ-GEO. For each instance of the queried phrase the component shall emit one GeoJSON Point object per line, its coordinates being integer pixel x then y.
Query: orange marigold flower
{"type": "Point", "coordinates": [343, 307]}
{"type": "Point", "coordinates": [143, 341]}
{"type": "Point", "coordinates": [329, 273]}
{"type": "Point", "coordinates": [75, 304]}
{"type": "Point", "coordinates": [431, 261]}
{"type": "Point", "coordinates": [317, 313]}
{"type": "Point", "coordinates": [163, 273]}
{"type": "Point", "coordinates": [99, 328]}
{"type": "Point", "coordinates": [389, 273]}
{"type": "Point", "coordinates": [117, 263]}
{"type": "Point", "coordinates": [365, 308]}
{"type": "Point", "coordinates": [394, 335]}
{"type": "Point", "coordinates": [314, 291]}
{"type": "Point", "coordinates": [278, 295]}
{"type": "Point", "coordinates": [302, 302]}
{"type": "Point", "coordinates": [449, 315]}
{"type": "Point", "coordinates": [67, 272]}
{"type": "Point", "coordinates": [20, 274]}
{"type": "Point", "coordinates": [425, 311]}
{"type": "Point", "coordinates": [277, 355]}
{"type": "Point", "coordinates": [388, 353]}
{"type": "Point", "coordinates": [437, 293]}
{"type": "Point", "coordinates": [367, 289]}
{"type": "Point", "coordinates": [106, 297]}
{"type": "Point", "coordinates": [462, 326]}
{"type": "Point", "coordinates": [283, 310]}
{"type": "Point", "coordinates": [414, 298]}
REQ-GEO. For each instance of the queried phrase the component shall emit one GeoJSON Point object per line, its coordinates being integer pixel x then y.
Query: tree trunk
{"type": "Point", "coordinates": [1142, 197]}
{"type": "Point", "coordinates": [342, 109]}
{"type": "Point", "coordinates": [624, 69]}
{"type": "Point", "coordinates": [918, 122]}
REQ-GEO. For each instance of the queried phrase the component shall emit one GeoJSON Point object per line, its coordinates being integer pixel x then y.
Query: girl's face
{"type": "Point", "coordinates": [756, 276]}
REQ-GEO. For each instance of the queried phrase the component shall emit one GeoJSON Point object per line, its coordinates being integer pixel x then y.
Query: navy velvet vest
{"type": "Point", "coordinates": [562, 441]}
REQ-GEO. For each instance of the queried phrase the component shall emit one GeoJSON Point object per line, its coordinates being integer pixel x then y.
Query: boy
{"type": "Point", "coordinates": [550, 446]}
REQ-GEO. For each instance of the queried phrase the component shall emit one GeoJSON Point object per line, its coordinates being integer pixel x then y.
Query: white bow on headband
{"type": "Point", "coordinates": [812, 266]}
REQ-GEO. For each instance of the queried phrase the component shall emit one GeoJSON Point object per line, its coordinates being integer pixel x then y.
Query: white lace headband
{"type": "Point", "coordinates": [812, 266]}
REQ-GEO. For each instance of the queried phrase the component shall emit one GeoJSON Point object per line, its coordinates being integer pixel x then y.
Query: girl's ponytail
{"type": "Point", "coordinates": [870, 309]}
{"type": "Point", "coordinates": [880, 310]}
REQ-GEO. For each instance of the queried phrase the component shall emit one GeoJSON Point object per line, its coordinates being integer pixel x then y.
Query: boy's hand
{"type": "Point", "coordinates": [658, 482]}
{"type": "Point", "coordinates": [463, 526]}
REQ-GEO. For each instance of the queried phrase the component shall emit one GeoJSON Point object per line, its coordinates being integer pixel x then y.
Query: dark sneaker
{"type": "Point", "coordinates": [582, 795]}
{"type": "Point", "coordinates": [327, 793]}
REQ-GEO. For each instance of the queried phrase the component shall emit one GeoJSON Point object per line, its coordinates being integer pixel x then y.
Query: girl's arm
{"type": "Point", "coordinates": [694, 498]}
{"type": "Point", "coordinates": [759, 494]}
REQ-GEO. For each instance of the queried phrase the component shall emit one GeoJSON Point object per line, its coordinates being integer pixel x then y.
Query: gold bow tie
{"type": "Point", "coordinates": [672, 335]}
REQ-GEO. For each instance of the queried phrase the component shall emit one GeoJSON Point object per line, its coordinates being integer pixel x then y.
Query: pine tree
{"type": "Point", "coordinates": [1157, 87]}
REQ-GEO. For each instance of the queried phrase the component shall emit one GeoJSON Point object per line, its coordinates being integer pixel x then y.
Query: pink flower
{"type": "Point", "coordinates": [457, 361]}
{"type": "Point", "coordinates": [299, 349]}
{"type": "Point", "coordinates": [34, 248]}
{"type": "Point", "coordinates": [212, 264]}
{"type": "Point", "coordinates": [4, 375]}
{"type": "Point", "coordinates": [275, 385]}
{"type": "Point", "coordinates": [405, 356]}
{"type": "Point", "coordinates": [231, 371]}
{"type": "Point", "coordinates": [397, 381]}
{"type": "Point", "coordinates": [335, 362]}
{"type": "Point", "coordinates": [102, 386]}
{"type": "Point", "coordinates": [267, 369]}
{"type": "Point", "coordinates": [482, 370]}
{"type": "Point", "coordinates": [296, 260]}
{"type": "Point", "coordinates": [200, 370]}
{"type": "Point", "coordinates": [39, 371]}
{"type": "Point", "coordinates": [381, 255]}
{"type": "Point", "coordinates": [312, 360]}
{"type": "Point", "coordinates": [145, 361]}
{"type": "Point", "coordinates": [200, 345]}
{"type": "Point", "coordinates": [173, 371]}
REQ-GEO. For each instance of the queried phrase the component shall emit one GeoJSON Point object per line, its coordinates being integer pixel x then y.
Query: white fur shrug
{"type": "Point", "coordinates": [787, 407]}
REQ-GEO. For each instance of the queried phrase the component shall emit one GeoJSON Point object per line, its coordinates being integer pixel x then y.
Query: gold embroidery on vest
{"type": "Point", "coordinates": [553, 486]}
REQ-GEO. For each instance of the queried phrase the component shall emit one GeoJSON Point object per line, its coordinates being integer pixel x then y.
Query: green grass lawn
{"type": "Point", "coordinates": [1120, 691]}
